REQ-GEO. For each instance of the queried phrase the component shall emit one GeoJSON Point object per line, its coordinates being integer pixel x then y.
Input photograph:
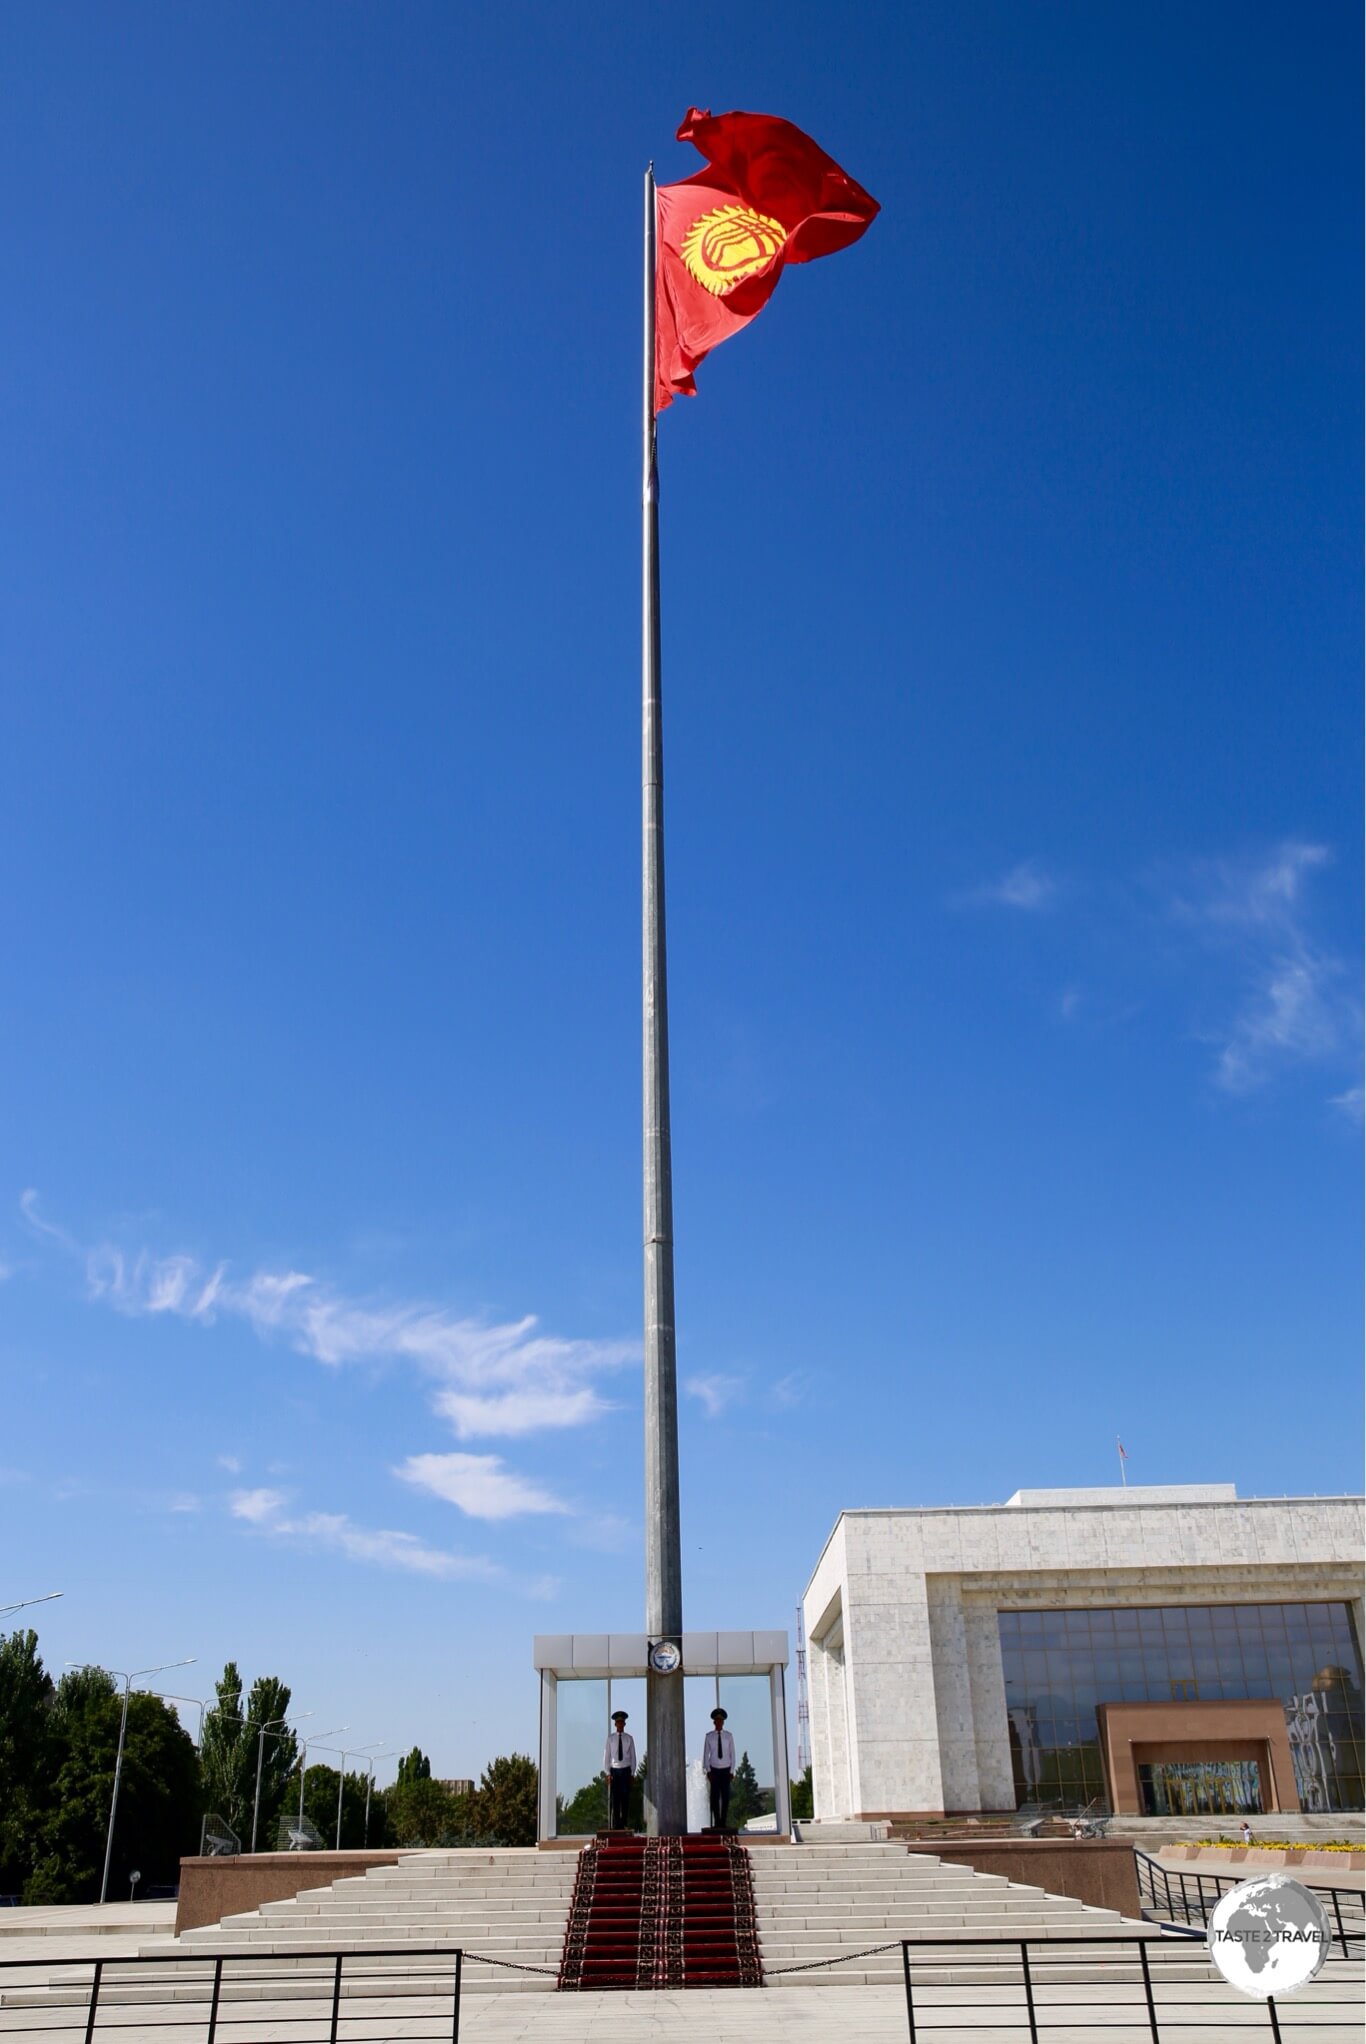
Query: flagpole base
{"type": "Point", "coordinates": [666, 1786]}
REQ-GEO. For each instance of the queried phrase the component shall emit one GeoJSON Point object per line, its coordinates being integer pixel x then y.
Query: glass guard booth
{"type": "Point", "coordinates": [585, 1676]}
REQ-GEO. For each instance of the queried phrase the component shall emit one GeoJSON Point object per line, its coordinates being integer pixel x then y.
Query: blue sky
{"type": "Point", "coordinates": [1012, 657]}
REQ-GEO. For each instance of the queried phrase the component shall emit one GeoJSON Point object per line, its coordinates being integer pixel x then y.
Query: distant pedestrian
{"type": "Point", "coordinates": [619, 1761]}
{"type": "Point", "coordinates": [718, 1761]}
{"type": "Point", "coordinates": [1246, 1831]}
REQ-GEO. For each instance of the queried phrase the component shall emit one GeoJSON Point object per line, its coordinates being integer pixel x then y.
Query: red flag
{"type": "Point", "coordinates": [768, 196]}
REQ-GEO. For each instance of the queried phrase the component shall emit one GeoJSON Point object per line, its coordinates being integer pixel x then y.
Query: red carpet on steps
{"type": "Point", "coordinates": [662, 1912]}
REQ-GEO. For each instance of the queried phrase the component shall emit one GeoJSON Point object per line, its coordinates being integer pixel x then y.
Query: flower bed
{"type": "Point", "coordinates": [1282, 1845]}
{"type": "Point", "coordinates": [1275, 1852]}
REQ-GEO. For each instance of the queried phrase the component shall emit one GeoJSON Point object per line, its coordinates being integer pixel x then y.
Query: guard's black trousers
{"type": "Point", "coordinates": [618, 1797]}
{"type": "Point", "coordinates": [720, 1797]}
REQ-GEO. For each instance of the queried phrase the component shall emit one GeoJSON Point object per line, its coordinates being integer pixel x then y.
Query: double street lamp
{"type": "Point", "coordinates": [352, 1753]}
{"type": "Point", "coordinates": [303, 1760]}
{"type": "Point", "coordinates": [128, 1680]}
{"type": "Point", "coordinates": [271, 1726]}
{"type": "Point", "coordinates": [343, 1753]}
{"type": "Point", "coordinates": [369, 1787]}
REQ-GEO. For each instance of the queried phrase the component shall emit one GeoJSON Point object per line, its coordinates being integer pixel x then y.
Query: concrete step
{"type": "Point", "coordinates": [824, 1903]}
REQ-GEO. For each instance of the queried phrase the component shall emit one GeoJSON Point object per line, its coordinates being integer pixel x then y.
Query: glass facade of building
{"type": "Point", "coordinates": [1060, 1664]}
{"type": "Point", "coordinates": [1200, 1788]}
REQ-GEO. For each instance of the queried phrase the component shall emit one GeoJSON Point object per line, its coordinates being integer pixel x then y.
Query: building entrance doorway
{"type": "Point", "coordinates": [1200, 1788]}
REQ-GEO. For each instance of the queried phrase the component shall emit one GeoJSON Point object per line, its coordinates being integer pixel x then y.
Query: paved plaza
{"type": "Point", "coordinates": [771, 2015]}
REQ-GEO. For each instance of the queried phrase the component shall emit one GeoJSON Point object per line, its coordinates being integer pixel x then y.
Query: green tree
{"type": "Point", "coordinates": [230, 1749]}
{"type": "Point", "coordinates": [278, 1753]}
{"type": "Point", "coordinates": [414, 1766]}
{"type": "Point", "coordinates": [28, 1747]}
{"type": "Point", "coordinates": [320, 1805]}
{"type": "Point", "coordinates": [420, 1811]}
{"type": "Point", "coordinates": [159, 1804]}
{"type": "Point", "coordinates": [505, 1801]}
{"type": "Point", "coordinates": [803, 1796]}
{"type": "Point", "coordinates": [222, 1751]}
{"type": "Point", "coordinates": [745, 1799]}
{"type": "Point", "coordinates": [585, 1812]}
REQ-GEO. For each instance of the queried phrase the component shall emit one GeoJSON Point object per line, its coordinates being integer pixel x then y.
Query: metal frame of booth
{"type": "Point", "coordinates": [603, 1656]}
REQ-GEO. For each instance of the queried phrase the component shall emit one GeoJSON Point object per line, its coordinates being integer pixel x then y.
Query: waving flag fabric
{"type": "Point", "coordinates": [767, 197]}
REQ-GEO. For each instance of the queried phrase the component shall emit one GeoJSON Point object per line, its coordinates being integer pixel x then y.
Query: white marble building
{"type": "Point", "coordinates": [909, 1706]}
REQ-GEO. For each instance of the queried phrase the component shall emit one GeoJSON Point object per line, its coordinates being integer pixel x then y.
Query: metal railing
{"type": "Point", "coordinates": [1154, 1986]}
{"type": "Point", "coordinates": [306, 1997]}
{"type": "Point", "coordinates": [1173, 1895]}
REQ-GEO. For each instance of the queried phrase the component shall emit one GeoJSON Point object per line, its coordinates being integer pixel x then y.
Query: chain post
{"type": "Point", "coordinates": [1148, 1987]}
{"type": "Point", "coordinates": [336, 1998]}
{"type": "Point", "coordinates": [213, 2000]}
{"type": "Point", "coordinates": [1029, 1992]}
{"type": "Point", "coordinates": [94, 2000]}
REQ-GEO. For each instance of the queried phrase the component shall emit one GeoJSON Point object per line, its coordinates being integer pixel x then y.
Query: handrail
{"type": "Point", "coordinates": [1185, 1906]}
{"type": "Point", "coordinates": [89, 1977]}
{"type": "Point", "coordinates": [1034, 1988]}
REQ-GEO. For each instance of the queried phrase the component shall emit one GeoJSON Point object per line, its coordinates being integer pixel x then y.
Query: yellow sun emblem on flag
{"type": "Point", "coordinates": [730, 243]}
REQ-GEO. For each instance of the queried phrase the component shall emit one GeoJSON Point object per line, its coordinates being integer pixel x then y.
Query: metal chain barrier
{"type": "Point", "coordinates": [840, 1959]}
{"type": "Point", "coordinates": [770, 1972]}
{"type": "Point", "coordinates": [513, 1965]}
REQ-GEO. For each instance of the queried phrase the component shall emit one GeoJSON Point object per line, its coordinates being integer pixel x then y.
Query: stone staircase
{"type": "Point", "coordinates": [813, 1902]}
{"type": "Point", "coordinates": [816, 1901]}
{"type": "Point", "coordinates": [511, 1903]}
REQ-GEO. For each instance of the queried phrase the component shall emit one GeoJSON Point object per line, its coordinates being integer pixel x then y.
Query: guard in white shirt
{"type": "Point", "coordinates": [718, 1761]}
{"type": "Point", "coordinates": [620, 1763]}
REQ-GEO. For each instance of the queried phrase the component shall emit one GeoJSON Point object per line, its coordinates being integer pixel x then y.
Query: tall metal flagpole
{"type": "Point", "coordinates": [666, 1810]}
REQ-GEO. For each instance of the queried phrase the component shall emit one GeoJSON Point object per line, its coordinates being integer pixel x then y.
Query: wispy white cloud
{"type": "Point", "coordinates": [335, 1329]}
{"type": "Point", "coordinates": [714, 1392]}
{"type": "Point", "coordinates": [1294, 1006]}
{"type": "Point", "coordinates": [389, 1548]}
{"type": "Point", "coordinates": [479, 1485]}
{"type": "Point", "coordinates": [256, 1506]}
{"type": "Point", "coordinates": [1349, 1103]}
{"type": "Point", "coordinates": [1290, 1014]}
{"type": "Point", "coordinates": [1262, 893]}
{"type": "Point", "coordinates": [787, 1392]}
{"type": "Point", "coordinates": [336, 1532]}
{"type": "Point", "coordinates": [519, 1412]}
{"type": "Point", "coordinates": [183, 1501]}
{"type": "Point", "coordinates": [1026, 886]}
{"type": "Point", "coordinates": [494, 1378]}
{"type": "Point", "coordinates": [232, 1463]}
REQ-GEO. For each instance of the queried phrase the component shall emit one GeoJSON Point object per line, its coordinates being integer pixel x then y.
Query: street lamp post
{"type": "Point", "coordinates": [303, 1760]}
{"type": "Point", "coordinates": [369, 1785]}
{"type": "Point", "coordinates": [345, 1753]}
{"type": "Point", "coordinates": [268, 1726]}
{"type": "Point", "coordinates": [128, 1681]}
